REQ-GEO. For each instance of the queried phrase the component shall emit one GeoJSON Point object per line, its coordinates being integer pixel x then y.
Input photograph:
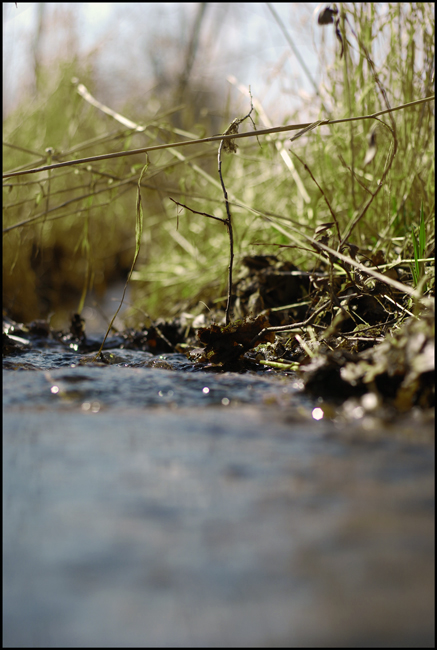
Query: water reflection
{"type": "Point", "coordinates": [140, 385]}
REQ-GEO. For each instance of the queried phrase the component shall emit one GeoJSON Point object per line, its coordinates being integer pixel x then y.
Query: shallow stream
{"type": "Point", "coordinates": [150, 504]}
{"type": "Point", "coordinates": [134, 380]}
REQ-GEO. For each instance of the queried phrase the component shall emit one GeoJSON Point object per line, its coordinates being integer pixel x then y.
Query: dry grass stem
{"type": "Point", "coordinates": [215, 138]}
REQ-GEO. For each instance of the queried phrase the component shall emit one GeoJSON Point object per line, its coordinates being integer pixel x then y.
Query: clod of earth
{"type": "Point", "coordinates": [225, 344]}
{"type": "Point", "coordinates": [401, 369]}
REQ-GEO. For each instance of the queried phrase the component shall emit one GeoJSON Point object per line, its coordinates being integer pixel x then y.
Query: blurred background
{"type": "Point", "coordinates": [142, 50]}
{"type": "Point", "coordinates": [180, 70]}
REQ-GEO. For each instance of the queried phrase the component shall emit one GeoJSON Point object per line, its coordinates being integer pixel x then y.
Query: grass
{"type": "Point", "coordinates": [365, 178]}
{"type": "Point", "coordinates": [419, 247]}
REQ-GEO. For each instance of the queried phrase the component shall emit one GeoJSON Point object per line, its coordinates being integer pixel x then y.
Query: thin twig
{"type": "Point", "coordinates": [203, 214]}
{"type": "Point", "coordinates": [354, 174]}
{"type": "Point", "coordinates": [230, 146]}
{"type": "Point", "coordinates": [292, 326]}
{"type": "Point", "coordinates": [270, 216]}
{"type": "Point", "coordinates": [334, 216]}
{"type": "Point", "coordinates": [215, 138]}
{"type": "Point", "coordinates": [367, 205]}
{"type": "Point", "coordinates": [278, 144]}
{"type": "Point", "coordinates": [344, 258]}
{"type": "Point", "coordinates": [65, 203]}
{"type": "Point", "coordinates": [231, 236]}
{"type": "Point", "coordinates": [138, 236]}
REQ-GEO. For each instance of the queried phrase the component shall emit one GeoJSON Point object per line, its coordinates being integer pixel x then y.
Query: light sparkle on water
{"type": "Point", "coordinates": [317, 413]}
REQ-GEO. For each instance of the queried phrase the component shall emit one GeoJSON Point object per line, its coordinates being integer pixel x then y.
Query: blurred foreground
{"type": "Point", "coordinates": [224, 526]}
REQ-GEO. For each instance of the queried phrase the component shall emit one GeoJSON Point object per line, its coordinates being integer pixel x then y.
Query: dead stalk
{"type": "Point", "coordinates": [215, 138]}
{"type": "Point", "coordinates": [228, 222]}
{"type": "Point", "coordinates": [230, 146]}
{"type": "Point", "coordinates": [227, 145]}
{"type": "Point", "coordinates": [334, 216]}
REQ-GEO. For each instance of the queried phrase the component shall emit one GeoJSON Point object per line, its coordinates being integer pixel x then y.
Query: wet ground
{"type": "Point", "coordinates": [146, 505]}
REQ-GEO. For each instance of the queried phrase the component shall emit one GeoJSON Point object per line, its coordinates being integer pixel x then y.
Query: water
{"type": "Point", "coordinates": [150, 503]}
{"type": "Point", "coordinates": [136, 388]}
{"type": "Point", "coordinates": [132, 379]}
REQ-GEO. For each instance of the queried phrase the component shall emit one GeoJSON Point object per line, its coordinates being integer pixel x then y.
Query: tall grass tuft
{"type": "Point", "coordinates": [70, 229]}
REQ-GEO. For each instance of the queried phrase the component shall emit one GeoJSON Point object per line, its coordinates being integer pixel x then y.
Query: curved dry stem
{"type": "Point", "coordinates": [231, 236]}
{"type": "Point", "coordinates": [334, 216]}
{"type": "Point", "coordinates": [361, 214]}
{"type": "Point", "coordinates": [215, 138]}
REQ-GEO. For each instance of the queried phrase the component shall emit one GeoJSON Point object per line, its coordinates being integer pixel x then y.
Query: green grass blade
{"type": "Point", "coordinates": [422, 233]}
{"type": "Point", "coordinates": [416, 268]}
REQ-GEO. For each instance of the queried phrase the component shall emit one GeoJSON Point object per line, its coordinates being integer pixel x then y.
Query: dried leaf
{"type": "Point", "coordinates": [229, 145]}
{"type": "Point", "coordinates": [326, 16]}
{"type": "Point", "coordinates": [371, 148]}
{"type": "Point", "coordinates": [323, 227]}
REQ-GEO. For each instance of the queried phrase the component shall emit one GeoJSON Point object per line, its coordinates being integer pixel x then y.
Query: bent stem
{"type": "Point", "coordinates": [228, 222]}
{"type": "Point", "coordinates": [138, 233]}
{"type": "Point", "coordinates": [231, 147]}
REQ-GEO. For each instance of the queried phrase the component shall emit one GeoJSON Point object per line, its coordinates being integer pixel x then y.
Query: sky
{"type": "Point", "coordinates": [130, 41]}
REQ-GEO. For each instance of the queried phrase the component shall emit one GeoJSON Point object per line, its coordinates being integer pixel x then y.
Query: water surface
{"type": "Point", "coordinates": [149, 504]}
